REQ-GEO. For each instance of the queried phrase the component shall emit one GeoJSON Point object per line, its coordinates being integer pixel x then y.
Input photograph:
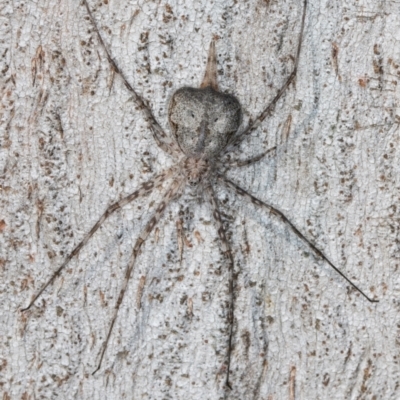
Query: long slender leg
{"type": "Point", "coordinates": [226, 249]}
{"type": "Point", "coordinates": [248, 161]}
{"type": "Point", "coordinates": [282, 217]}
{"type": "Point", "coordinates": [255, 124]}
{"type": "Point", "coordinates": [162, 139]}
{"type": "Point", "coordinates": [144, 188]}
{"type": "Point", "coordinates": [169, 195]}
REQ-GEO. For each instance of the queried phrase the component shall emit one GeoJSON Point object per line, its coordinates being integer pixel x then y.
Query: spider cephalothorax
{"type": "Point", "coordinates": [205, 126]}
{"type": "Point", "coordinates": [197, 169]}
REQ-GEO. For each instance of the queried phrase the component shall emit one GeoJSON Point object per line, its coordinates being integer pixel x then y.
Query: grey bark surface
{"type": "Point", "coordinates": [72, 142]}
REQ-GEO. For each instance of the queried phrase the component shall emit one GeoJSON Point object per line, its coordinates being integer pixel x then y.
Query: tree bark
{"type": "Point", "coordinates": [73, 141]}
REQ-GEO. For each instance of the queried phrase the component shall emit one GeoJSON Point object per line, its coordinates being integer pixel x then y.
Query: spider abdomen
{"type": "Point", "coordinates": [203, 120]}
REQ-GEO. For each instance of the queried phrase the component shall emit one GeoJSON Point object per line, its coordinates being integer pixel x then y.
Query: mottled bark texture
{"type": "Point", "coordinates": [73, 141]}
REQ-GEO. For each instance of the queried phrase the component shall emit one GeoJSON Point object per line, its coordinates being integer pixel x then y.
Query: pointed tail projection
{"type": "Point", "coordinates": [210, 76]}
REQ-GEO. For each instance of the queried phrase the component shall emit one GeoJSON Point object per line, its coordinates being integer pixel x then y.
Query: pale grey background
{"type": "Point", "coordinates": [73, 143]}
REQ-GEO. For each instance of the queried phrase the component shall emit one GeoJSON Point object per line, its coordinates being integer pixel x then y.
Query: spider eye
{"type": "Point", "coordinates": [194, 181]}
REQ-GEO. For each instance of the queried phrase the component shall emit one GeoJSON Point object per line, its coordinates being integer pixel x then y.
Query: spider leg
{"type": "Point", "coordinates": [226, 249]}
{"type": "Point", "coordinates": [179, 231]}
{"type": "Point", "coordinates": [162, 139]}
{"type": "Point", "coordinates": [255, 124]}
{"type": "Point", "coordinates": [182, 239]}
{"type": "Point", "coordinates": [146, 187]}
{"type": "Point", "coordinates": [169, 195]}
{"type": "Point", "coordinates": [283, 218]}
{"type": "Point", "coordinates": [248, 161]}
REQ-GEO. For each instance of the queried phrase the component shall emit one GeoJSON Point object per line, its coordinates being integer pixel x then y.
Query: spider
{"type": "Point", "coordinates": [205, 125]}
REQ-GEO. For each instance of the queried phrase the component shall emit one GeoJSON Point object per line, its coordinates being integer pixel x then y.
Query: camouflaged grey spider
{"type": "Point", "coordinates": [205, 125]}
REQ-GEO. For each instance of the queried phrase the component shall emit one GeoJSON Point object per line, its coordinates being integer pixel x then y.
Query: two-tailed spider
{"type": "Point", "coordinates": [205, 126]}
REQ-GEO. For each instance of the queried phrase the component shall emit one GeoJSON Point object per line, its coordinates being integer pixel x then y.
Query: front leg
{"type": "Point", "coordinates": [226, 249]}
{"type": "Point", "coordinates": [165, 142]}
